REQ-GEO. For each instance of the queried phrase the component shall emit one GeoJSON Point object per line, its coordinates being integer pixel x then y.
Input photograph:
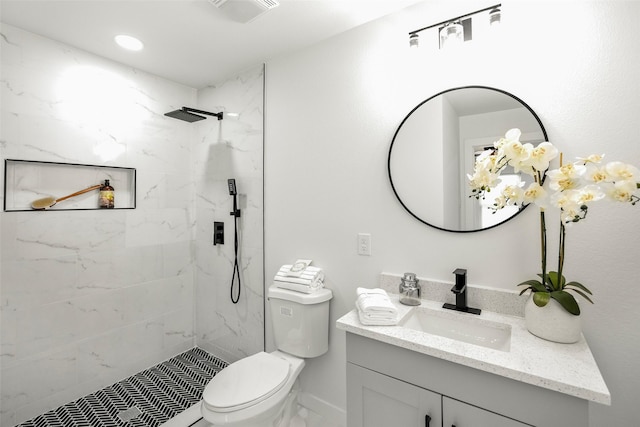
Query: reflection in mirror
{"type": "Point", "coordinates": [436, 145]}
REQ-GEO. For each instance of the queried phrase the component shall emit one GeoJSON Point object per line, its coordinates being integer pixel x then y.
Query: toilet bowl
{"type": "Point", "coordinates": [261, 390]}
{"type": "Point", "coordinates": [253, 390]}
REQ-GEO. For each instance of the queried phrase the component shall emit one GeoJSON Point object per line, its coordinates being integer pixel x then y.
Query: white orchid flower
{"type": "Point", "coordinates": [596, 174]}
{"type": "Point", "coordinates": [593, 158]}
{"type": "Point", "coordinates": [567, 177]}
{"type": "Point", "coordinates": [590, 193]}
{"type": "Point", "coordinates": [518, 155]}
{"type": "Point", "coordinates": [513, 134]}
{"type": "Point", "coordinates": [622, 191]}
{"type": "Point", "coordinates": [622, 171]}
{"type": "Point", "coordinates": [541, 156]}
{"type": "Point", "coordinates": [514, 194]}
{"type": "Point", "coordinates": [535, 193]}
{"type": "Point", "coordinates": [566, 200]}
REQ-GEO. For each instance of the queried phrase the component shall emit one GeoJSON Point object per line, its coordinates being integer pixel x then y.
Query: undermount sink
{"type": "Point", "coordinates": [460, 327]}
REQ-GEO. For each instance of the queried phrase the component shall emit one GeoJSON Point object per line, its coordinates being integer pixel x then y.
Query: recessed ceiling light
{"type": "Point", "coordinates": [129, 42]}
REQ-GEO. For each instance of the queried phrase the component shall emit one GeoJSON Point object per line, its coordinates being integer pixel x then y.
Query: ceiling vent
{"type": "Point", "coordinates": [244, 11]}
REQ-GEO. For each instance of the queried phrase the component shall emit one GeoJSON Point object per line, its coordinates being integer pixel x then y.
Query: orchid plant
{"type": "Point", "coordinates": [574, 186]}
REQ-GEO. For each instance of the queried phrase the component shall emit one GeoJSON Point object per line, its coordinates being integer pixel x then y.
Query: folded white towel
{"type": "Point", "coordinates": [375, 307]}
{"type": "Point", "coordinates": [368, 321]}
{"type": "Point", "coordinates": [310, 276]}
{"type": "Point", "coordinates": [375, 301]}
{"type": "Point", "coordinates": [304, 288]}
{"type": "Point", "coordinates": [310, 270]}
{"type": "Point", "coordinates": [297, 268]}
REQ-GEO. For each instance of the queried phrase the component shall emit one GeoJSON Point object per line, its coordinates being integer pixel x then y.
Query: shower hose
{"type": "Point", "coordinates": [236, 266]}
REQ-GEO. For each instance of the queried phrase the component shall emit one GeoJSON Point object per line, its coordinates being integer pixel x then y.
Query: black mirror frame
{"type": "Point", "coordinates": [533, 113]}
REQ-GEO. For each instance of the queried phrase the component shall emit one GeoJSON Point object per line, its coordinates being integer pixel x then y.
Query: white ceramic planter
{"type": "Point", "coordinates": [552, 322]}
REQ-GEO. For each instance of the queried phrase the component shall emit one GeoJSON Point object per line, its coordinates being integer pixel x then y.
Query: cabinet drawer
{"type": "Point", "coordinates": [460, 414]}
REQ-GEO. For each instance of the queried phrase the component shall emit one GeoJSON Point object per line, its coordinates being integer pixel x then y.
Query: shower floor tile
{"type": "Point", "coordinates": [146, 399]}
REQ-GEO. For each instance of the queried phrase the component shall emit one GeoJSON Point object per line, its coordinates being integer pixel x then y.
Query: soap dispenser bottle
{"type": "Point", "coordinates": [106, 198]}
{"type": "Point", "coordinates": [409, 290]}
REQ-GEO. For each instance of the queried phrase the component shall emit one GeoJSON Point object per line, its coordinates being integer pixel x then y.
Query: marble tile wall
{"type": "Point", "coordinates": [90, 297]}
{"type": "Point", "coordinates": [230, 149]}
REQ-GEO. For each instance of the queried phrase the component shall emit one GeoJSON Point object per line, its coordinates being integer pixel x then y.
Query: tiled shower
{"type": "Point", "coordinates": [90, 297]}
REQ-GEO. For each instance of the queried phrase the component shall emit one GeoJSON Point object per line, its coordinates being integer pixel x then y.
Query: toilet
{"type": "Point", "coordinates": [262, 390]}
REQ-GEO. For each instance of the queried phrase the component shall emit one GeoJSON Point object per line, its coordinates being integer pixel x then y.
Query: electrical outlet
{"type": "Point", "coordinates": [364, 244]}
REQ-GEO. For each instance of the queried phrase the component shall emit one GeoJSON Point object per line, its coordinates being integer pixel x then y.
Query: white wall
{"type": "Point", "coordinates": [91, 297]}
{"type": "Point", "coordinates": [331, 113]}
{"type": "Point", "coordinates": [232, 148]}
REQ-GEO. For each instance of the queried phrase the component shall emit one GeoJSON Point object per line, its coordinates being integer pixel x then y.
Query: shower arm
{"type": "Point", "coordinates": [193, 110]}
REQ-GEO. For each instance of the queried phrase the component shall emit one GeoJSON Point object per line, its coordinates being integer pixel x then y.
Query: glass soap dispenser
{"type": "Point", "coordinates": [106, 198]}
{"type": "Point", "coordinates": [409, 290]}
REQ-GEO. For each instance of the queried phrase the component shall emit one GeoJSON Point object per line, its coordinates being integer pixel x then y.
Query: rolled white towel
{"type": "Point", "coordinates": [304, 288]}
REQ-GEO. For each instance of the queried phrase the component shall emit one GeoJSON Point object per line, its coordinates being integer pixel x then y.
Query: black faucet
{"type": "Point", "coordinates": [460, 289]}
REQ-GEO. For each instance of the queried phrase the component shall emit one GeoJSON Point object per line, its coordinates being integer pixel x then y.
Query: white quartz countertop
{"type": "Point", "coordinates": [565, 368]}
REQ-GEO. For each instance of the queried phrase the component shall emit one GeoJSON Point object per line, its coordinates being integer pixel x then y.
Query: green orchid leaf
{"type": "Point", "coordinates": [549, 285]}
{"type": "Point", "coordinates": [541, 298]}
{"type": "Point", "coordinates": [528, 282]}
{"type": "Point", "coordinates": [549, 281]}
{"type": "Point", "coordinates": [567, 301]}
{"type": "Point", "coordinates": [535, 285]}
{"type": "Point", "coordinates": [524, 290]}
{"type": "Point", "coordinates": [558, 283]}
{"type": "Point", "coordinates": [582, 294]}
{"type": "Point", "coordinates": [579, 286]}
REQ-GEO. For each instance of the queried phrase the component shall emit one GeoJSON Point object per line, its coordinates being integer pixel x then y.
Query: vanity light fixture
{"type": "Point", "coordinates": [128, 42]}
{"type": "Point", "coordinates": [456, 30]}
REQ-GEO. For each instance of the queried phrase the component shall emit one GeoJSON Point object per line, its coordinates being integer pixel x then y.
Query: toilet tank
{"type": "Point", "coordinates": [300, 321]}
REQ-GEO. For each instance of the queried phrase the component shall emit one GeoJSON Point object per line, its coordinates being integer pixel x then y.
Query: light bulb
{"type": "Point", "coordinates": [494, 16]}
{"type": "Point", "coordinates": [451, 34]}
{"type": "Point", "coordinates": [128, 42]}
{"type": "Point", "coordinates": [414, 41]}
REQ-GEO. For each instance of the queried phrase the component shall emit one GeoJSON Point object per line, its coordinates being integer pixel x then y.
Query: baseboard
{"type": "Point", "coordinates": [327, 410]}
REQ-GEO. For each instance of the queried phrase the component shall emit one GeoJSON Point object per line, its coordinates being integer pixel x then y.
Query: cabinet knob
{"type": "Point", "coordinates": [427, 420]}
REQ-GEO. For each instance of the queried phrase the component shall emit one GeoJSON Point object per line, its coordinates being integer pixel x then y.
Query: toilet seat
{"type": "Point", "coordinates": [246, 382]}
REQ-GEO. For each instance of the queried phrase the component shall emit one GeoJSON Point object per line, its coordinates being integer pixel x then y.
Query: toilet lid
{"type": "Point", "coordinates": [246, 382]}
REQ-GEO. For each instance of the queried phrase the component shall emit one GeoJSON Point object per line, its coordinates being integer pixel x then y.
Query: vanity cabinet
{"type": "Point", "coordinates": [377, 400]}
{"type": "Point", "coordinates": [389, 385]}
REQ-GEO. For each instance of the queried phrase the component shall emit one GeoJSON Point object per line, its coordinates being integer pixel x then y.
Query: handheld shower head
{"type": "Point", "coordinates": [232, 187]}
{"type": "Point", "coordinates": [233, 192]}
{"type": "Point", "coordinates": [187, 114]}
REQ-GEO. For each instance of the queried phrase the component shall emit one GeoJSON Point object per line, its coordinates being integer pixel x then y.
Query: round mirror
{"type": "Point", "coordinates": [436, 145]}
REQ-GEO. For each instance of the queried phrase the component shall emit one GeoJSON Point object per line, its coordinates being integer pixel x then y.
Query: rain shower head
{"type": "Point", "coordinates": [188, 114]}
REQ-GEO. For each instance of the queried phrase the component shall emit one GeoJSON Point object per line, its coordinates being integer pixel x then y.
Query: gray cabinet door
{"type": "Point", "coordinates": [460, 414]}
{"type": "Point", "coordinates": [376, 400]}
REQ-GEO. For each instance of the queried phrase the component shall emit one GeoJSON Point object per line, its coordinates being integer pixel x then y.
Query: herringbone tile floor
{"type": "Point", "coordinates": [146, 399]}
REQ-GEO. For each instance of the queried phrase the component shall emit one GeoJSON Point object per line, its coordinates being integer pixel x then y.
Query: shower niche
{"type": "Point", "coordinates": [29, 181]}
